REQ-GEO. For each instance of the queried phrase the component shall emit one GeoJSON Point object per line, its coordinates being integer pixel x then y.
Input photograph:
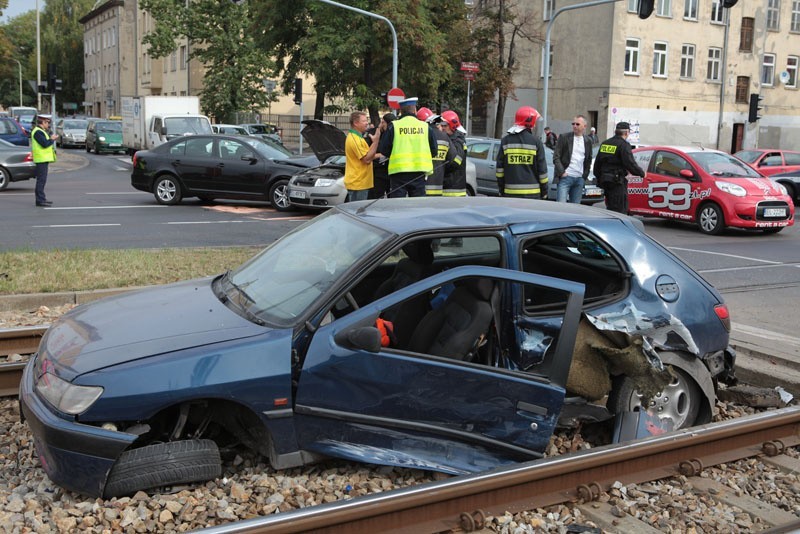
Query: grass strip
{"type": "Point", "coordinates": [77, 270]}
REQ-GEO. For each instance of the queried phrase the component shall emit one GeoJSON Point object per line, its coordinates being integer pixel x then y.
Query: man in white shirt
{"type": "Point", "coordinates": [572, 161]}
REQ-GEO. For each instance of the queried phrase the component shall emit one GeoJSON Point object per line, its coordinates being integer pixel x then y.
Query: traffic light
{"type": "Point", "coordinates": [298, 90]}
{"type": "Point", "coordinates": [729, 3]}
{"type": "Point", "coordinates": [646, 8]}
{"type": "Point", "coordinates": [51, 77]}
{"type": "Point", "coordinates": [58, 85]}
{"type": "Point", "coordinates": [755, 107]}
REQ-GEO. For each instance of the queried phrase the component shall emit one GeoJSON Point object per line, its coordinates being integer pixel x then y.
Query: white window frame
{"type": "Point", "coordinates": [548, 8]}
{"type": "Point", "coordinates": [791, 67]}
{"type": "Point", "coordinates": [687, 61]}
{"type": "Point", "coordinates": [773, 15]}
{"type": "Point", "coordinates": [664, 8]}
{"type": "Point", "coordinates": [768, 70]}
{"type": "Point", "coordinates": [795, 24]}
{"type": "Point", "coordinates": [690, 9]}
{"type": "Point", "coordinates": [633, 6]}
{"type": "Point", "coordinates": [635, 54]}
{"type": "Point", "coordinates": [714, 65]}
{"type": "Point", "coordinates": [663, 56]}
{"type": "Point", "coordinates": [716, 12]}
{"type": "Point", "coordinates": [541, 68]}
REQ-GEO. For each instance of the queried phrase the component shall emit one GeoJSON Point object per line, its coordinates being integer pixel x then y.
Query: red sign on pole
{"type": "Point", "coordinates": [469, 75]}
{"type": "Point", "coordinates": [394, 97]}
{"type": "Point", "coordinates": [470, 66]}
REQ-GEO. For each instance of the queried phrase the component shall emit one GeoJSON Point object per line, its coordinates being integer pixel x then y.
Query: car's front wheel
{"type": "Point", "coordinates": [163, 464]}
{"type": "Point", "coordinates": [4, 178]}
{"type": "Point", "coordinates": [167, 190]}
{"type": "Point", "coordinates": [680, 400]}
{"type": "Point", "coordinates": [279, 195]}
{"type": "Point", "coordinates": [710, 219]}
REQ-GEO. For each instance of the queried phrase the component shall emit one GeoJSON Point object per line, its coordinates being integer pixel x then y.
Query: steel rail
{"type": "Point", "coordinates": [24, 340]}
{"type": "Point", "coordinates": [461, 502]}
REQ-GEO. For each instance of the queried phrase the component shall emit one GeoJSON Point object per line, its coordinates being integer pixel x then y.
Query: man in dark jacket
{"type": "Point", "coordinates": [572, 160]}
{"type": "Point", "coordinates": [521, 170]}
{"type": "Point", "coordinates": [455, 165]}
{"type": "Point", "coordinates": [613, 163]}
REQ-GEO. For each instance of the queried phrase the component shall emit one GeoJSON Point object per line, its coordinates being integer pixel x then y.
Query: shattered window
{"type": "Point", "coordinates": [572, 255]}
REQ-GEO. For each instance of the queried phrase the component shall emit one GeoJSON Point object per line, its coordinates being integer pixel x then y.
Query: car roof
{"type": "Point", "coordinates": [419, 214]}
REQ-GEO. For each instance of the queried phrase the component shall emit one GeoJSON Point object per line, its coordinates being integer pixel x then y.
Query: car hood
{"type": "Point", "coordinates": [139, 324]}
{"type": "Point", "coordinates": [325, 139]}
{"type": "Point", "coordinates": [759, 187]}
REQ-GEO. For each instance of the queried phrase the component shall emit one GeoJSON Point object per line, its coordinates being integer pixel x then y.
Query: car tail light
{"type": "Point", "coordinates": [29, 157]}
{"type": "Point", "coordinates": [722, 312]}
{"type": "Point", "coordinates": [134, 159]}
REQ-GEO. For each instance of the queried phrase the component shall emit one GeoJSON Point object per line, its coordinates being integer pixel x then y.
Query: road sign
{"type": "Point", "coordinates": [469, 75]}
{"type": "Point", "coordinates": [470, 66]}
{"type": "Point", "coordinates": [394, 97]}
{"type": "Point", "coordinates": [269, 85]}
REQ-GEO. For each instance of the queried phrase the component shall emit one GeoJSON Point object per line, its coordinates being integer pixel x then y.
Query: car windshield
{"type": "Point", "coordinates": [109, 127]}
{"type": "Point", "coordinates": [748, 156]}
{"type": "Point", "coordinates": [267, 148]}
{"type": "Point", "coordinates": [261, 129]}
{"type": "Point", "coordinates": [187, 125]}
{"type": "Point", "coordinates": [278, 285]}
{"type": "Point", "coordinates": [719, 164]}
{"type": "Point", "coordinates": [74, 125]}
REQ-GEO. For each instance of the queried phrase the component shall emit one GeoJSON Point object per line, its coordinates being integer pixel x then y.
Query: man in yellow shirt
{"type": "Point", "coordinates": [358, 157]}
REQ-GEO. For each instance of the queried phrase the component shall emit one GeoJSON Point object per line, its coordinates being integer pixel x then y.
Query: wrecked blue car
{"type": "Point", "coordinates": [450, 334]}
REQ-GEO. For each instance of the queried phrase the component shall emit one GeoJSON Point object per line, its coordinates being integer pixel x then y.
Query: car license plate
{"type": "Point", "coordinates": [774, 212]}
{"type": "Point", "coordinates": [592, 191]}
{"type": "Point", "coordinates": [114, 144]}
{"type": "Point", "coordinates": [294, 193]}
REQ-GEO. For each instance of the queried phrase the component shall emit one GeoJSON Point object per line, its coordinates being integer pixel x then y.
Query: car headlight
{"type": "Point", "coordinates": [733, 189]}
{"type": "Point", "coordinates": [67, 397]}
{"type": "Point", "coordinates": [101, 138]}
{"type": "Point", "coordinates": [781, 188]}
{"type": "Point", "coordinates": [324, 182]}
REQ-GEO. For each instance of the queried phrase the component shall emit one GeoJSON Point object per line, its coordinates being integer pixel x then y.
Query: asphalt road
{"type": "Point", "coordinates": [95, 206]}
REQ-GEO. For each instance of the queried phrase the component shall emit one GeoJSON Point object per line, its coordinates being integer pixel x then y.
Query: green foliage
{"type": "Point", "coordinates": [18, 37]}
{"type": "Point", "coordinates": [221, 40]}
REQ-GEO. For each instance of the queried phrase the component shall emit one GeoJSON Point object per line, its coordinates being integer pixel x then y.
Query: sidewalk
{"type": "Point", "coordinates": [763, 358]}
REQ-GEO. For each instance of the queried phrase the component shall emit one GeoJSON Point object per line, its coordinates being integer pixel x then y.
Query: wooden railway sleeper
{"type": "Point", "coordinates": [690, 468]}
{"type": "Point", "coordinates": [773, 448]}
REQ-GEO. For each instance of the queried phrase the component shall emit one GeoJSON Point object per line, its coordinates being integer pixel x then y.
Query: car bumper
{"type": "Point", "coordinates": [108, 147]}
{"type": "Point", "coordinates": [21, 171]}
{"type": "Point", "coordinates": [75, 456]}
{"type": "Point", "coordinates": [758, 215]}
{"type": "Point", "coordinates": [316, 197]}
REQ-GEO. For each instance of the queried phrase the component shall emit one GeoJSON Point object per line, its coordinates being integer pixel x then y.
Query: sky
{"type": "Point", "coordinates": [18, 7]}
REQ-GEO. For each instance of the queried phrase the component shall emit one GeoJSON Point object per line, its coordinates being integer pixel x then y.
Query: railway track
{"type": "Point", "coordinates": [16, 341]}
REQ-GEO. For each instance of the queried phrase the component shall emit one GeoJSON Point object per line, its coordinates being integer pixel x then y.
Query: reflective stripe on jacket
{"type": "Point", "coordinates": [411, 151]}
{"type": "Point", "coordinates": [521, 164]}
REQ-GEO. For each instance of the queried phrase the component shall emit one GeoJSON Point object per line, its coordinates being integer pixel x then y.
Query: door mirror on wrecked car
{"type": "Point", "coordinates": [366, 338]}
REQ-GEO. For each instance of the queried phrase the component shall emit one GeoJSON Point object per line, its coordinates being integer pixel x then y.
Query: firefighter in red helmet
{"type": "Point", "coordinates": [433, 183]}
{"type": "Point", "coordinates": [455, 169]}
{"type": "Point", "coordinates": [521, 163]}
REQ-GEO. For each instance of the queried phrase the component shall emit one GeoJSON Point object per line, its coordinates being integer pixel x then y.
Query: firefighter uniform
{"type": "Point", "coordinates": [521, 165]}
{"type": "Point", "coordinates": [455, 174]}
{"type": "Point", "coordinates": [611, 166]}
{"type": "Point", "coordinates": [435, 182]}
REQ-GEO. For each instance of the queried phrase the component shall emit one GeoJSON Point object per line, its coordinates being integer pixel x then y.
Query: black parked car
{"type": "Point", "coordinates": [215, 166]}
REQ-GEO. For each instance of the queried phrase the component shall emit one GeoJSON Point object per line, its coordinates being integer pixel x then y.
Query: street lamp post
{"type": "Point", "coordinates": [20, 81]}
{"type": "Point", "coordinates": [38, 61]}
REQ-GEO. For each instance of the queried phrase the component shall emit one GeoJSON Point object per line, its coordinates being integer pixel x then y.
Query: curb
{"type": "Point", "coordinates": [32, 301]}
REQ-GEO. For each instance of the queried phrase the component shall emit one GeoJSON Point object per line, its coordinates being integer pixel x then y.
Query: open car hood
{"type": "Point", "coordinates": [325, 139]}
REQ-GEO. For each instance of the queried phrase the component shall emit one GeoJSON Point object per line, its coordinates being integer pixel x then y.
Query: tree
{"type": "Point", "coordinates": [498, 26]}
{"type": "Point", "coordinates": [350, 55]}
{"type": "Point", "coordinates": [221, 40]}
{"type": "Point", "coordinates": [19, 37]}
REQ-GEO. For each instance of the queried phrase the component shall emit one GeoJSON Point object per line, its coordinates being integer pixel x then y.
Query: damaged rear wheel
{"type": "Point", "coordinates": [680, 401]}
{"type": "Point", "coordinates": [163, 464]}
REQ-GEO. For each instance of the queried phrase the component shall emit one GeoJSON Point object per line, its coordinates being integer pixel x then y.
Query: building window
{"type": "Point", "coordinates": [660, 60]}
{"type": "Point", "coordinates": [633, 6]}
{"type": "Point", "coordinates": [550, 65]}
{"type": "Point", "coordinates": [714, 62]}
{"type": "Point", "coordinates": [632, 56]}
{"type": "Point", "coordinates": [687, 61]}
{"type": "Point", "coordinates": [690, 9]}
{"type": "Point", "coordinates": [742, 88]}
{"type": "Point", "coordinates": [173, 61]}
{"type": "Point", "coordinates": [664, 8]}
{"type": "Point", "coordinates": [549, 8]}
{"type": "Point", "coordinates": [791, 68]}
{"type": "Point", "coordinates": [746, 34]}
{"type": "Point", "coordinates": [768, 70]}
{"type": "Point", "coordinates": [773, 14]}
{"type": "Point", "coordinates": [183, 57]}
{"type": "Point", "coordinates": [795, 16]}
{"type": "Point", "coordinates": [716, 11]}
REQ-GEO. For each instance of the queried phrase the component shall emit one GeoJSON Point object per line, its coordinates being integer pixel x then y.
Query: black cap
{"type": "Point", "coordinates": [622, 126]}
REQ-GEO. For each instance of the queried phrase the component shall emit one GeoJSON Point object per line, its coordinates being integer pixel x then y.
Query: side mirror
{"type": "Point", "coordinates": [687, 173]}
{"type": "Point", "coordinates": [366, 338]}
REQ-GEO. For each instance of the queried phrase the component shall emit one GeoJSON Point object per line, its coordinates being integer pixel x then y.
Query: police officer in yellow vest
{"type": "Point", "coordinates": [410, 146]}
{"type": "Point", "coordinates": [44, 151]}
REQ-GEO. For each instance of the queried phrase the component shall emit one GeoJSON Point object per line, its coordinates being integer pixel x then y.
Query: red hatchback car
{"type": "Point", "coordinates": [770, 161]}
{"type": "Point", "coordinates": [708, 187]}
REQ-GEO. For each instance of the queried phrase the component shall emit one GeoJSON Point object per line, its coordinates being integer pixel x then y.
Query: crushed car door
{"type": "Point", "coordinates": [400, 407]}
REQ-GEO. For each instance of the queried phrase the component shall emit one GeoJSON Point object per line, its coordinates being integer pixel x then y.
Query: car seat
{"type": "Point", "coordinates": [456, 329]}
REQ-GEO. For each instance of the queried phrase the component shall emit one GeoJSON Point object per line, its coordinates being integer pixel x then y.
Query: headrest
{"type": "Point", "coordinates": [480, 287]}
{"type": "Point", "coordinates": [420, 251]}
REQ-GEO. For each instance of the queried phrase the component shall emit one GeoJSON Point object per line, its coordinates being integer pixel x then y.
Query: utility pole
{"type": "Point", "coordinates": [38, 61]}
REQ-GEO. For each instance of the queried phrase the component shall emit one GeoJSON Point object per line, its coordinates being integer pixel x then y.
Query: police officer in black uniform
{"type": "Point", "coordinates": [613, 163]}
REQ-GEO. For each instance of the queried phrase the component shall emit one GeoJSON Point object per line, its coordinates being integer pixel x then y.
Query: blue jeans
{"type": "Point", "coordinates": [572, 187]}
{"type": "Point", "coordinates": [353, 196]}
